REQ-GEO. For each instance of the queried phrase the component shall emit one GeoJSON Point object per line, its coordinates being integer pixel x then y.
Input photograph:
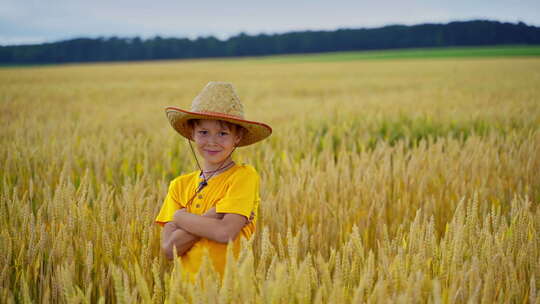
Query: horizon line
{"type": "Point", "coordinates": [150, 37]}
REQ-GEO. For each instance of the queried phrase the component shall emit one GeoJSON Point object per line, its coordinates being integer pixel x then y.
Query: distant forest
{"type": "Point", "coordinates": [466, 33]}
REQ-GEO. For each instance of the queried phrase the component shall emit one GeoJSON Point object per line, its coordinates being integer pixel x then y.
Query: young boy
{"type": "Point", "coordinates": [206, 209]}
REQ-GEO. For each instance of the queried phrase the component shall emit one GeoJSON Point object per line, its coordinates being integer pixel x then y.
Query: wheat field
{"type": "Point", "coordinates": [405, 181]}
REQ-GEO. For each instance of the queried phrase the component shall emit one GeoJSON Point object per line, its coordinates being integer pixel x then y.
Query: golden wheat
{"type": "Point", "coordinates": [398, 180]}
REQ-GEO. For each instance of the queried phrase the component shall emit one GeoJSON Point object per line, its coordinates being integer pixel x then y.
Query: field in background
{"type": "Point", "coordinates": [501, 51]}
{"type": "Point", "coordinates": [400, 180]}
{"type": "Point", "coordinates": [413, 53]}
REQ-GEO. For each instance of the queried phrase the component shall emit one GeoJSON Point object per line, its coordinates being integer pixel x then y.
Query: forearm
{"type": "Point", "coordinates": [198, 225]}
{"type": "Point", "coordinates": [166, 234]}
{"type": "Point", "coordinates": [174, 237]}
{"type": "Point", "coordinates": [182, 241]}
{"type": "Point", "coordinates": [218, 230]}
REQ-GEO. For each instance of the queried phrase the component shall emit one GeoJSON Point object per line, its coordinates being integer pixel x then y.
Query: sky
{"type": "Point", "coordinates": [37, 21]}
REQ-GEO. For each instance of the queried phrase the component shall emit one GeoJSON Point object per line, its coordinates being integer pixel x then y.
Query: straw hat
{"type": "Point", "coordinates": [218, 100]}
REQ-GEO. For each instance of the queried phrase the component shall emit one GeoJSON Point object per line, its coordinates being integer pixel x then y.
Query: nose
{"type": "Point", "coordinates": [213, 139]}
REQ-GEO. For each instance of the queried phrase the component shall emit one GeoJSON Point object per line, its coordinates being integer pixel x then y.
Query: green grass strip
{"type": "Point", "coordinates": [450, 52]}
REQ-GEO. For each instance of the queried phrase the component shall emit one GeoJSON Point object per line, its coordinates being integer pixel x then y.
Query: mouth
{"type": "Point", "coordinates": [212, 152]}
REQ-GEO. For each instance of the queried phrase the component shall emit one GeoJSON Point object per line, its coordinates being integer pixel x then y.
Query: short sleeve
{"type": "Point", "coordinates": [242, 193]}
{"type": "Point", "coordinates": [170, 205]}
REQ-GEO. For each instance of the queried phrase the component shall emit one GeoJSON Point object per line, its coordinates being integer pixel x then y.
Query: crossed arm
{"type": "Point", "coordinates": [186, 229]}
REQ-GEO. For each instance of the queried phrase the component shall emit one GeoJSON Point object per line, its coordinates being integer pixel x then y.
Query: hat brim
{"type": "Point", "coordinates": [255, 131]}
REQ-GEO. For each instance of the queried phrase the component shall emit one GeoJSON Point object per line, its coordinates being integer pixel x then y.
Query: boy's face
{"type": "Point", "coordinates": [214, 140]}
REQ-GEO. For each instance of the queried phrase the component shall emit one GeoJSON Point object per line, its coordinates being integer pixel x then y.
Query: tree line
{"type": "Point", "coordinates": [463, 33]}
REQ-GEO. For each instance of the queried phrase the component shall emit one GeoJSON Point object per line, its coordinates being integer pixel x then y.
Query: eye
{"type": "Point", "coordinates": [202, 132]}
{"type": "Point", "coordinates": [223, 133]}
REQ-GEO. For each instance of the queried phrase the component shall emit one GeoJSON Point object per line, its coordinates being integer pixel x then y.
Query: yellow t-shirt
{"type": "Point", "coordinates": [233, 191]}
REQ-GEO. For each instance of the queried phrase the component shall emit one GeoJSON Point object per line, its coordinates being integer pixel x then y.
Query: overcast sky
{"type": "Point", "coordinates": [35, 21]}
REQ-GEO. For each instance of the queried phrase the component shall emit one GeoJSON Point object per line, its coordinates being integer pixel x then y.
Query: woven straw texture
{"type": "Point", "coordinates": [218, 100]}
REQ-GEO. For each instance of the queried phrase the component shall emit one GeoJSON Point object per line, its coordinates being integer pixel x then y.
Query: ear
{"type": "Point", "coordinates": [239, 134]}
{"type": "Point", "coordinates": [191, 125]}
{"type": "Point", "coordinates": [192, 132]}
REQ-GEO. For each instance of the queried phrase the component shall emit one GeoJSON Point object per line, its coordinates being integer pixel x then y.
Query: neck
{"type": "Point", "coordinates": [212, 167]}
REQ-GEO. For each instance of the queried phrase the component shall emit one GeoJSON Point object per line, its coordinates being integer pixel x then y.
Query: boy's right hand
{"type": "Point", "coordinates": [213, 214]}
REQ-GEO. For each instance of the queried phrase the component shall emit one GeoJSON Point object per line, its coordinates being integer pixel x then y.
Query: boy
{"type": "Point", "coordinates": [206, 209]}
